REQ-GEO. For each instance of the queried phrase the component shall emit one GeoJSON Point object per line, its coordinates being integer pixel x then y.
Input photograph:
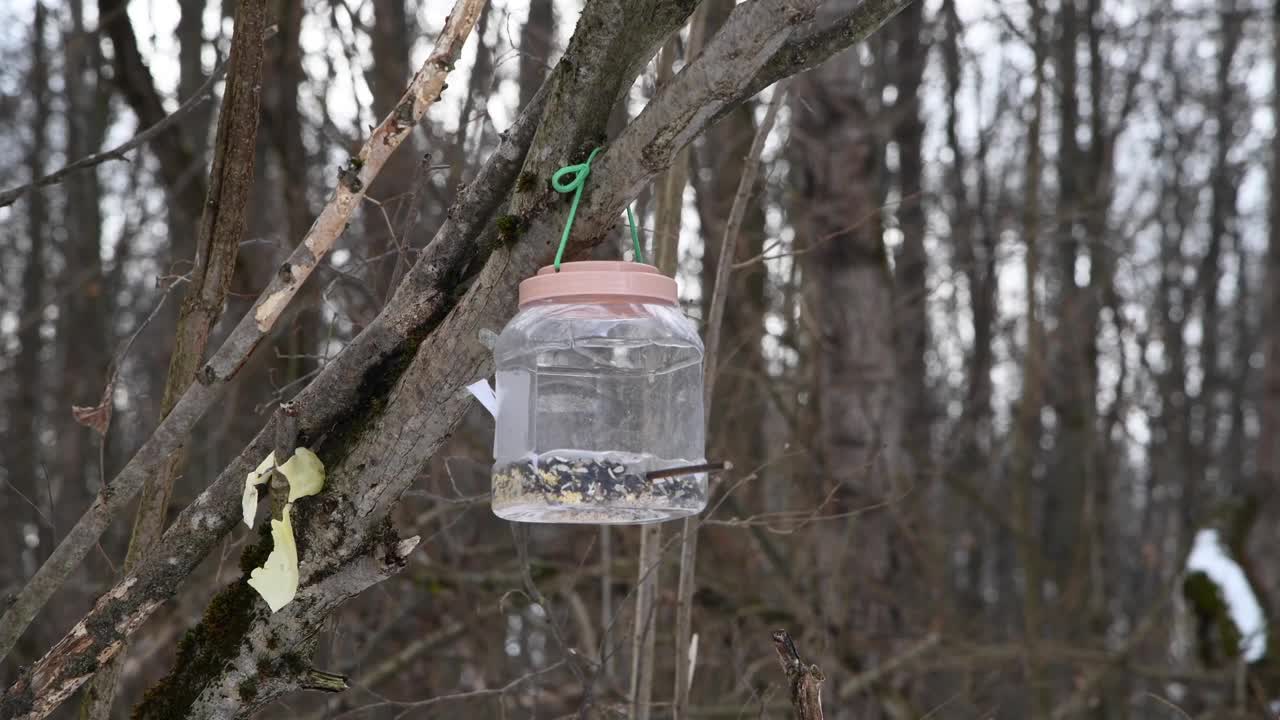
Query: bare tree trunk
{"type": "Point", "coordinates": [1222, 214]}
{"type": "Point", "coordinates": [1261, 494]}
{"type": "Point", "coordinates": [28, 472]}
{"type": "Point", "coordinates": [1098, 566]}
{"type": "Point", "coordinates": [536, 40]}
{"type": "Point", "coordinates": [282, 116]}
{"type": "Point", "coordinates": [713, 338]}
{"type": "Point", "coordinates": [669, 207]}
{"type": "Point", "coordinates": [1074, 341]}
{"type": "Point", "coordinates": [1269, 401]}
{"type": "Point", "coordinates": [85, 312]}
{"type": "Point", "coordinates": [386, 75]}
{"type": "Point", "coordinates": [390, 68]}
{"type": "Point", "coordinates": [191, 74]}
{"type": "Point", "coordinates": [221, 230]}
{"type": "Point", "coordinates": [87, 307]}
{"type": "Point", "coordinates": [477, 92]}
{"type": "Point", "coordinates": [974, 252]}
{"type": "Point", "coordinates": [851, 294]}
{"type": "Point", "coordinates": [741, 404]}
{"type": "Point", "coordinates": [180, 167]}
{"type": "Point", "coordinates": [911, 268]}
{"type": "Point", "coordinates": [742, 366]}
{"type": "Point", "coordinates": [910, 312]}
{"type": "Point", "coordinates": [1171, 454]}
{"type": "Point", "coordinates": [1027, 416]}
{"type": "Point", "coordinates": [283, 130]}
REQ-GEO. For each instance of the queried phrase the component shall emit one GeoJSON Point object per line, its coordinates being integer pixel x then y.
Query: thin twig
{"type": "Point", "coordinates": [606, 600]}
{"type": "Point", "coordinates": [1162, 700]}
{"type": "Point", "coordinates": [420, 704]}
{"type": "Point", "coordinates": [643, 637]}
{"type": "Point", "coordinates": [8, 197]}
{"type": "Point", "coordinates": [764, 256]}
{"type": "Point", "coordinates": [862, 681]}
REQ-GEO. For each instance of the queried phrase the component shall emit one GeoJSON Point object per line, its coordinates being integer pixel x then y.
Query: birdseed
{"type": "Point", "coordinates": [595, 488]}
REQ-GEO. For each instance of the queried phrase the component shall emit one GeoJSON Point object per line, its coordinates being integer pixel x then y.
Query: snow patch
{"type": "Point", "coordinates": [1209, 556]}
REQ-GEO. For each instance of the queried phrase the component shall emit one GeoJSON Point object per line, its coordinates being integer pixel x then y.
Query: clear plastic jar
{"type": "Point", "coordinates": [599, 384]}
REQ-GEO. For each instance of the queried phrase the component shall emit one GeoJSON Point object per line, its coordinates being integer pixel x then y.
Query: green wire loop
{"type": "Point", "coordinates": [635, 236]}
{"type": "Point", "coordinates": [580, 173]}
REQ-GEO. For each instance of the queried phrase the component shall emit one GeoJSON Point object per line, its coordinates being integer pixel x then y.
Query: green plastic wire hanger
{"type": "Point", "coordinates": [580, 173]}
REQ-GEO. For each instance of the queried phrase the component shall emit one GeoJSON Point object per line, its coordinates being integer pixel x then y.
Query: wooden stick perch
{"type": "Point", "coordinates": [712, 467]}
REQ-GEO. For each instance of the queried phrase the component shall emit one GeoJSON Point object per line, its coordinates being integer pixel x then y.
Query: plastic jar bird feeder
{"type": "Point", "coordinates": [599, 385]}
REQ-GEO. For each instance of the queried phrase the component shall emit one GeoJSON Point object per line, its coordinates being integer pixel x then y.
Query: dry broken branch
{"type": "Point", "coordinates": [804, 681]}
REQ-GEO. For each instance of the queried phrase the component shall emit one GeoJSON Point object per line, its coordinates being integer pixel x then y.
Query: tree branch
{"type": "Point", "coordinates": [214, 377]}
{"type": "Point", "coordinates": [292, 625]}
{"type": "Point", "coordinates": [803, 681]}
{"type": "Point", "coordinates": [644, 634]}
{"type": "Point", "coordinates": [811, 47]}
{"type": "Point", "coordinates": [8, 197]}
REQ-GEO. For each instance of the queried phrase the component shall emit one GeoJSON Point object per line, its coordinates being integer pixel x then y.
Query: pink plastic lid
{"type": "Point", "coordinates": [599, 279]}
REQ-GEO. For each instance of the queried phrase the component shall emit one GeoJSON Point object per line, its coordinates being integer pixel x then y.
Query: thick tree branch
{"type": "Point", "coordinates": [213, 378]}
{"type": "Point", "coordinates": [811, 46]}
{"type": "Point", "coordinates": [229, 696]}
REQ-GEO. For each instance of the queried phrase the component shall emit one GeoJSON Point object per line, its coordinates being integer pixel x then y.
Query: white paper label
{"type": "Point", "coordinates": [484, 394]}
